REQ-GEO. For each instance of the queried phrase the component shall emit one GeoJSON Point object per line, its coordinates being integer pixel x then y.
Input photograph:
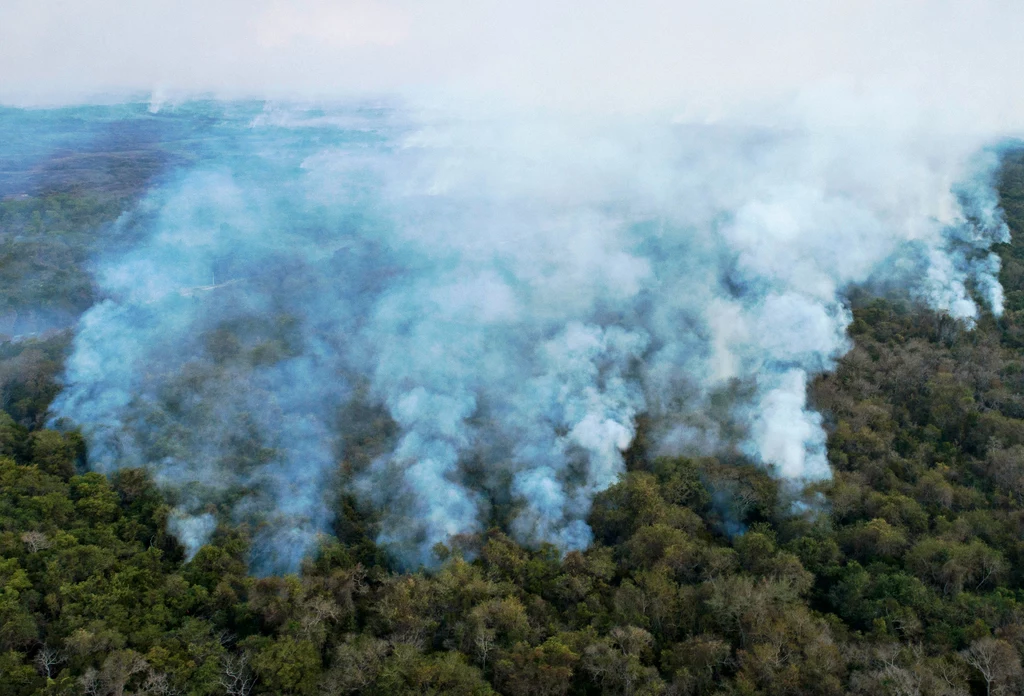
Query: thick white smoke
{"type": "Point", "coordinates": [514, 293]}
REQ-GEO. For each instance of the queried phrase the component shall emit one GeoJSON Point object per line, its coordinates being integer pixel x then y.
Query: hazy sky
{"type": "Point", "coordinates": [957, 61]}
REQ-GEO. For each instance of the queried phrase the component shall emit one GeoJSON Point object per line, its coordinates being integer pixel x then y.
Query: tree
{"type": "Point", "coordinates": [285, 665]}
{"type": "Point", "coordinates": [35, 541]}
{"type": "Point", "coordinates": [47, 660]}
{"type": "Point", "coordinates": [236, 677]}
{"type": "Point", "coordinates": [545, 670]}
{"type": "Point", "coordinates": [55, 453]}
{"type": "Point", "coordinates": [118, 669]}
{"type": "Point", "coordinates": [697, 662]}
{"type": "Point", "coordinates": [617, 662]}
{"type": "Point", "coordinates": [356, 665]}
{"type": "Point", "coordinates": [996, 662]}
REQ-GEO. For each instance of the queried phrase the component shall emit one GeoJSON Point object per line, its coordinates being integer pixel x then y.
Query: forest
{"type": "Point", "coordinates": [905, 577]}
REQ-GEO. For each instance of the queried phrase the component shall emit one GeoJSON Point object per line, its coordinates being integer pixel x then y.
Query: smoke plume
{"type": "Point", "coordinates": [512, 293]}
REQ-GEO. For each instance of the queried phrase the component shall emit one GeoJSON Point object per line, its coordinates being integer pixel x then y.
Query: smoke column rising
{"type": "Point", "coordinates": [513, 292]}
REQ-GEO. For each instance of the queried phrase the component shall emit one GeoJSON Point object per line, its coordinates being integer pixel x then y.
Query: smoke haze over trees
{"type": "Point", "coordinates": [386, 347]}
{"type": "Point", "coordinates": [510, 296]}
{"type": "Point", "coordinates": [907, 577]}
{"type": "Point", "coordinates": [257, 389]}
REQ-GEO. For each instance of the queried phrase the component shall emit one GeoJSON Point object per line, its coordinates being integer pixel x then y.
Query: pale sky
{"type": "Point", "coordinates": [956, 61]}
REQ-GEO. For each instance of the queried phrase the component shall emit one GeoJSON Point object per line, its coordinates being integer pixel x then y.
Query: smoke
{"type": "Point", "coordinates": [192, 530]}
{"type": "Point", "coordinates": [960, 60]}
{"type": "Point", "coordinates": [513, 293]}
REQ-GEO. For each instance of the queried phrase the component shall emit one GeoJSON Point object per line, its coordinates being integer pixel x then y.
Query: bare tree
{"type": "Point", "coordinates": [120, 667]}
{"type": "Point", "coordinates": [318, 611]}
{"type": "Point", "coordinates": [997, 663]}
{"type": "Point", "coordinates": [90, 682]}
{"type": "Point", "coordinates": [631, 640]}
{"type": "Point", "coordinates": [47, 660]}
{"type": "Point", "coordinates": [236, 677]}
{"type": "Point", "coordinates": [949, 678]}
{"type": "Point", "coordinates": [35, 541]}
{"type": "Point", "coordinates": [357, 662]}
{"type": "Point", "coordinates": [484, 644]}
{"type": "Point", "coordinates": [157, 684]}
{"type": "Point", "coordinates": [901, 681]}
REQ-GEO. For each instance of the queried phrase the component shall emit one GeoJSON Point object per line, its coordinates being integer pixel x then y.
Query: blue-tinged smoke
{"type": "Point", "coordinates": [513, 293]}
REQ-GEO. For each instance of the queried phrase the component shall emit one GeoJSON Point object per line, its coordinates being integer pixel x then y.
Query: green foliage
{"type": "Point", "coordinates": [284, 665]}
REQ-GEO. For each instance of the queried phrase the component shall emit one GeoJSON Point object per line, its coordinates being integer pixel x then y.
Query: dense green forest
{"type": "Point", "coordinates": [908, 577]}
